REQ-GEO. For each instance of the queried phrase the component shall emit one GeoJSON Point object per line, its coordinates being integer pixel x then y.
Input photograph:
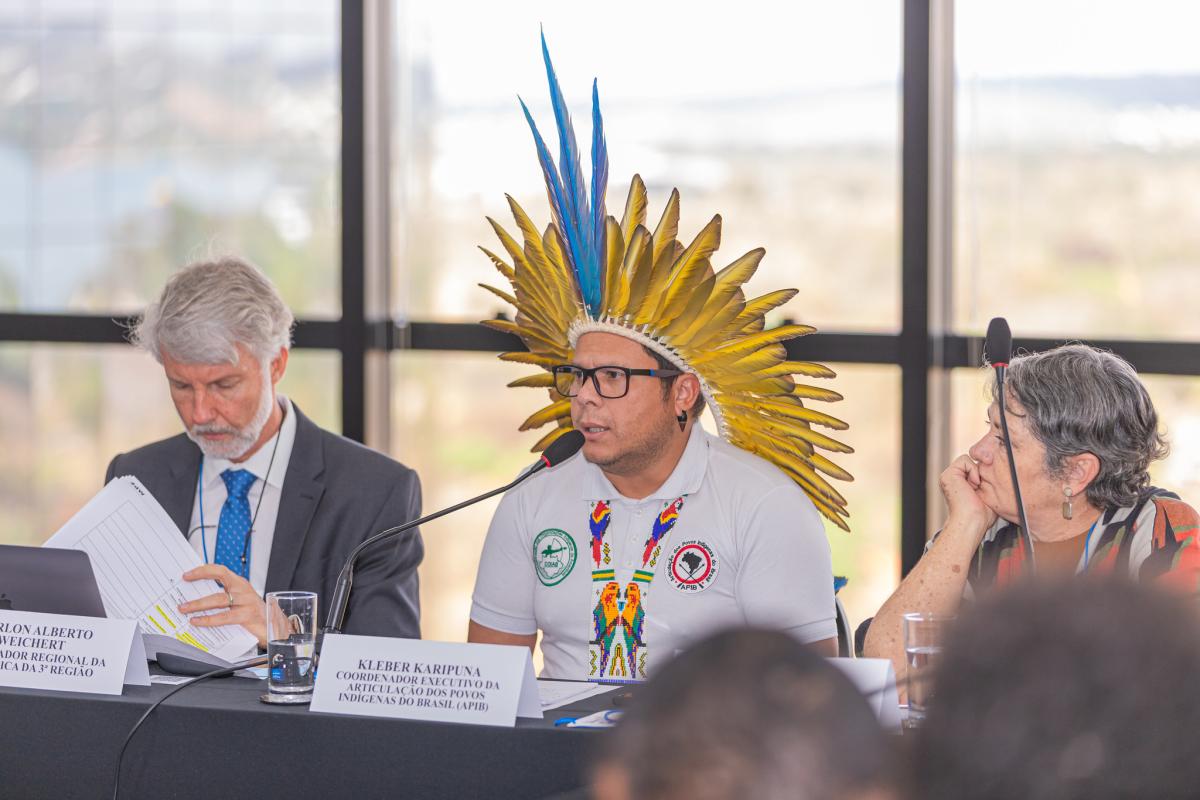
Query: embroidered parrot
{"type": "Point", "coordinates": [605, 619]}
{"type": "Point", "coordinates": [598, 523]}
{"type": "Point", "coordinates": [633, 617]}
{"type": "Point", "coordinates": [662, 526]}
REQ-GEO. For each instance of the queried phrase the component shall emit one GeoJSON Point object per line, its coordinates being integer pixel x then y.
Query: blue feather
{"type": "Point", "coordinates": [571, 198]}
{"type": "Point", "coordinates": [554, 189]}
{"type": "Point", "coordinates": [599, 183]}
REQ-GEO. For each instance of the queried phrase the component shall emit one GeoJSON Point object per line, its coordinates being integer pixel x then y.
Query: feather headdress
{"type": "Point", "coordinates": [588, 272]}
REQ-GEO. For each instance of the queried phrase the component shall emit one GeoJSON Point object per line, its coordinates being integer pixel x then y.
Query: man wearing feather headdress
{"type": "Point", "coordinates": [658, 533]}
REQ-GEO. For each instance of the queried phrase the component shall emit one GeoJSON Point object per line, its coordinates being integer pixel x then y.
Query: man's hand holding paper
{"type": "Point", "coordinates": [239, 604]}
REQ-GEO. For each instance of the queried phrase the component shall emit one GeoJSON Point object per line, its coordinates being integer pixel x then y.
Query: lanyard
{"type": "Point", "coordinates": [1087, 543]}
{"type": "Point", "coordinates": [618, 649]}
{"type": "Point", "coordinates": [245, 570]}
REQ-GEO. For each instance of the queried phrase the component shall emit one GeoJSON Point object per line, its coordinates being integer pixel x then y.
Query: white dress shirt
{"type": "Point", "coordinates": [212, 495]}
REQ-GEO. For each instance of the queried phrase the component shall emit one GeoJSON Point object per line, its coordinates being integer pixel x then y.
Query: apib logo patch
{"type": "Point", "coordinates": [553, 556]}
{"type": "Point", "coordinates": [693, 566]}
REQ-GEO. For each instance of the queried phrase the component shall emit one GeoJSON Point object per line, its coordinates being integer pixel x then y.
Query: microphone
{"type": "Point", "coordinates": [997, 347]}
{"type": "Point", "coordinates": [997, 351]}
{"type": "Point", "coordinates": [559, 451]}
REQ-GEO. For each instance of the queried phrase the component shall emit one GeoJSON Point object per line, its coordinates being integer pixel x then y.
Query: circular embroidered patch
{"type": "Point", "coordinates": [693, 566]}
{"type": "Point", "coordinates": [553, 555]}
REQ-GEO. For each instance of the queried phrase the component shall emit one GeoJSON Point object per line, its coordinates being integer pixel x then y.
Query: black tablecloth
{"type": "Point", "coordinates": [216, 740]}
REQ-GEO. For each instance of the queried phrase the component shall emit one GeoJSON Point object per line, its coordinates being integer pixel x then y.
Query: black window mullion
{"type": "Point", "coordinates": [915, 350]}
{"type": "Point", "coordinates": [353, 324]}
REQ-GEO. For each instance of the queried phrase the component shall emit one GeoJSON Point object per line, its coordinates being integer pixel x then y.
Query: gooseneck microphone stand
{"type": "Point", "coordinates": [560, 450]}
{"type": "Point", "coordinates": [998, 351]}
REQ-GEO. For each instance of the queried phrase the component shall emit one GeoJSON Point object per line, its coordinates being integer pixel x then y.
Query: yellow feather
{"type": "Point", "coordinates": [540, 380]}
{"type": "Point", "coordinates": [637, 265]}
{"type": "Point", "coordinates": [562, 283]}
{"type": "Point", "coordinates": [694, 305]}
{"type": "Point", "coordinates": [784, 408]}
{"type": "Point", "coordinates": [529, 231]}
{"type": "Point", "coordinates": [514, 250]}
{"type": "Point", "coordinates": [689, 270]}
{"type": "Point", "coordinates": [750, 363]}
{"type": "Point", "coordinates": [757, 385]}
{"type": "Point", "coordinates": [668, 227]}
{"type": "Point", "coordinates": [534, 340]}
{"type": "Point", "coordinates": [614, 255]}
{"type": "Point", "coordinates": [655, 287]}
{"type": "Point", "coordinates": [556, 410]}
{"type": "Point", "coordinates": [635, 209]}
{"type": "Point", "coordinates": [809, 369]}
{"type": "Point", "coordinates": [789, 428]}
{"type": "Point", "coordinates": [505, 296]}
{"type": "Point", "coordinates": [725, 303]}
{"type": "Point", "coordinates": [525, 284]}
{"type": "Point", "coordinates": [546, 361]}
{"type": "Point", "coordinates": [815, 393]}
{"type": "Point", "coordinates": [503, 268]}
{"type": "Point", "coordinates": [754, 341]}
{"type": "Point", "coordinates": [813, 484]}
{"type": "Point", "coordinates": [798, 467]}
{"type": "Point", "coordinates": [822, 441]}
{"type": "Point", "coordinates": [761, 305]}
{"type": "Point", "coordinates": [549, 438]}
{"type": "Point", "coordinates": [681, 290]}
{"type": "Point", "coordinates": [829, 468]}
{"type": "Point", "coordinates": [829, 513]}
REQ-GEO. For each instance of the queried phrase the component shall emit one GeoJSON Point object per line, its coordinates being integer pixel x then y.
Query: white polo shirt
{"type": "Point", "coordinates": [748, 549]}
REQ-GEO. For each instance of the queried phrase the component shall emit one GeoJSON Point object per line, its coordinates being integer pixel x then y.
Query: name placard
{"type": "Point", "coordinates": [481, 684]}
{"type": "Point", "coordinates": [70, 654]}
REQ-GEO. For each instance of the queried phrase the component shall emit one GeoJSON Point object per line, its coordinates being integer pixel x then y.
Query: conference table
{"type": "Point", "coordinates": [216, 740]}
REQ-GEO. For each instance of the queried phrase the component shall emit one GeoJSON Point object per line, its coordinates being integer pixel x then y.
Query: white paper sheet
{"type": "Point", "coordinates": [876, 679]}
{"type": "Point", "coordinates": [139, 557]}
{"type": "Point", "coordinates": [554, 694]}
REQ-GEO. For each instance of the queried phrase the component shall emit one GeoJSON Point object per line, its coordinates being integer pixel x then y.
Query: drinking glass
{"type": "Point", "coordinates": [923, 637]}
{"type": "Point", "coordinates": [291, 637]}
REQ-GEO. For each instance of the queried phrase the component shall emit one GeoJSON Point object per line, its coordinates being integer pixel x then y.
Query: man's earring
{"type": "Point", "coordinates": [682, 420]}
{"type": "Point", "coordinates": [1067, 511]}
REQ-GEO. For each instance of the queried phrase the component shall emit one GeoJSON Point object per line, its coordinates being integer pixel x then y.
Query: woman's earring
{"type": "Point", "coordinates": [682, 420]}
{"type": "Point", "coordinates": [1067, 510]}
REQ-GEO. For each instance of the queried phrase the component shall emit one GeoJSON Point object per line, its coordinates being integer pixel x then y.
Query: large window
{"type": "Point", "coordinates": [793, 140]}
{"type": "Point", "coordinates": [137, 135]}
{"type": "Point", "coordinates": [1078, 162]}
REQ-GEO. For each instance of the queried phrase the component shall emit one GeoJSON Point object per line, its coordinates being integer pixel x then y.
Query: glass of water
{"type": "Point", "coordinates": [923, 637]}
{"type": "Point", "coordinates": [291, 637]}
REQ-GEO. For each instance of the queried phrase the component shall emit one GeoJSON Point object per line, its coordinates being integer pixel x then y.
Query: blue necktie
{"type": "Point", "coordinates": [234, 525]}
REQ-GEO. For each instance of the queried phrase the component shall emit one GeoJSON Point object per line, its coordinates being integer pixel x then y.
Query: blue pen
{"type": "Point", "coordinates": [561, 721]}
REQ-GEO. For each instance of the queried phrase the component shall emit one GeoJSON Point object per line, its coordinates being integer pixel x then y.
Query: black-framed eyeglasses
{"type": "Point", "coordinates": [610, 382]}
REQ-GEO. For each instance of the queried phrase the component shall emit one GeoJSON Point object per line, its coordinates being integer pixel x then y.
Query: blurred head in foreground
{"type": "Point", "coordinates": [747, 714]}
{"type": "Point", "coordinates": [1077, 690]}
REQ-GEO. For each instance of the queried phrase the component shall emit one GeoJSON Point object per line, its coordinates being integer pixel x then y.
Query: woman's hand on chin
{"type": "Point", "coordinates": [960, 484]}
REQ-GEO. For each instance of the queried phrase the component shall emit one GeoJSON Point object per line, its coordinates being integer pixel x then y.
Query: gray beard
{"type": "Point", "coordinates": [242, 439]}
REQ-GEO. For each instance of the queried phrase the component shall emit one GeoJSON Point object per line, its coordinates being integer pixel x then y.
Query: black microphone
{"type": "Point", "coordinates": [997, 350]}
{"type": "Point", "coordinates": [559, 451]}
{"type": "Point", "coordinates": [997, 347]}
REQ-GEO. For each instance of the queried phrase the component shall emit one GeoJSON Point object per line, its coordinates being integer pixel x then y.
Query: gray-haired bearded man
{"type": "Point", "coordinates": [269, 500]}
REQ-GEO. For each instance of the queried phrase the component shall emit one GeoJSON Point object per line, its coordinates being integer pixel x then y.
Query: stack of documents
{"type": "Point", "coordinates": [139, 556]}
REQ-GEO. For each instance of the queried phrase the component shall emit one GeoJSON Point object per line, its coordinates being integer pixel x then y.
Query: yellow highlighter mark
{"type": "Point", "coordinates": [166, 617]}
{"type": "Point", "coordinates": [152, 619]}
{"type": "Point", "coordinates": [187, 638]}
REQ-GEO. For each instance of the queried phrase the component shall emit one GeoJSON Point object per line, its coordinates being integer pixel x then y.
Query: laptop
{"type": "Point", "coordinates": [48, 580]}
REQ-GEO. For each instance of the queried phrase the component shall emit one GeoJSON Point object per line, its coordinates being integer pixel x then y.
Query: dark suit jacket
{"type": "Point", "coordinates": [336, 493]}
